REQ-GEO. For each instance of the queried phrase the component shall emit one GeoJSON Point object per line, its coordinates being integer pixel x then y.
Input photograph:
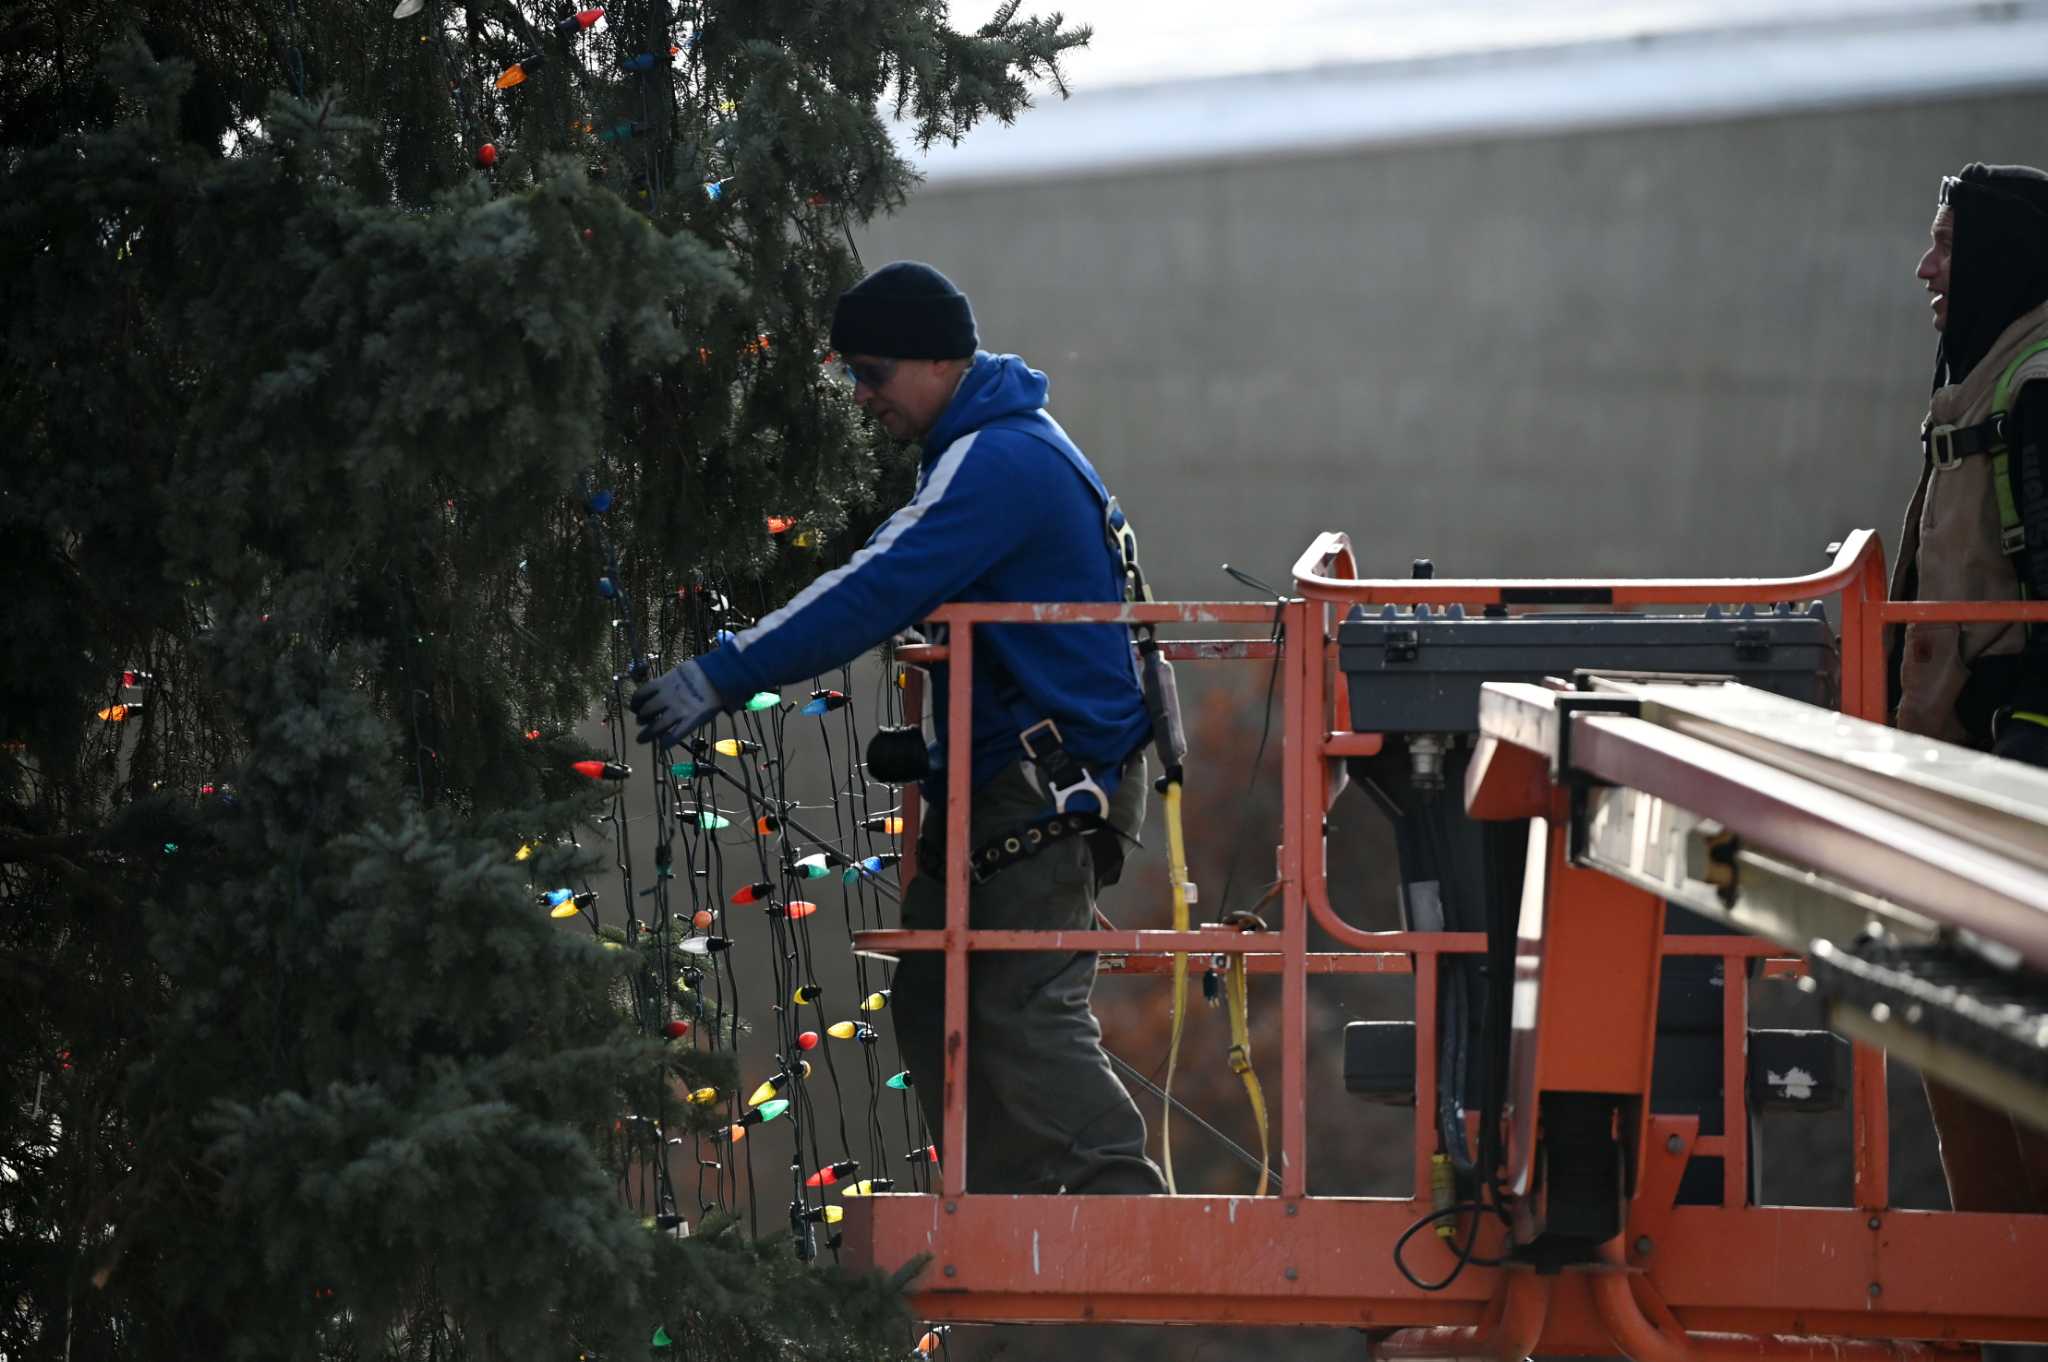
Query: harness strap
{"type": "Point", "coordinates": [1949, 445]}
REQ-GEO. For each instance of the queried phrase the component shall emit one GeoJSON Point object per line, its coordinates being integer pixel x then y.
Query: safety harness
{"type": "Point", "coordinates": [1947, 446]}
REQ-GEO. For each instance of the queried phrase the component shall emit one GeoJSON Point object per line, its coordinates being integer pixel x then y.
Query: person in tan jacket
{"type": "Point", "coordinates": [1977, 529]}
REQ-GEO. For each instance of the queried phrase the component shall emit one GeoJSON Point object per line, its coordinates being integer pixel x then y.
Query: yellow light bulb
{"type": "Point", "coordinates": [842, 1030]}
{"type": "Point", "coordinates": [525, 852]}
{"type": "Point", "coordinates": [568, 908]}
{"type": "Point", "coordinates": [704, 1097]}
{"type": "Point", "coordinates": [762, 1093]}
{"type": "Point", "coordinates": [875, 1002]}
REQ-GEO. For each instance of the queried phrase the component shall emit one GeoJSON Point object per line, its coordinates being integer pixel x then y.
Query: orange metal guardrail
{"type": "Point", "coordinates": [987, 1272]}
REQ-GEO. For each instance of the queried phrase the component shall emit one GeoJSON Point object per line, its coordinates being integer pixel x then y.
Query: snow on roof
{"type": "Point", "coordinates": [1662, 78]}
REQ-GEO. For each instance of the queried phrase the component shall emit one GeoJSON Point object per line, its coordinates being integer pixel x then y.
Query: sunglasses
{"type": "Point", "coordinates": [875, 374]}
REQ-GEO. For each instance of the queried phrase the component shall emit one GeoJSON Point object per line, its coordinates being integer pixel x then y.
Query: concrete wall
{"type": "Point", "coordinates": [1657, 350]}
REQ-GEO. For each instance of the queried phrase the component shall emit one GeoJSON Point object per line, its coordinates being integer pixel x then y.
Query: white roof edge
{"type": "Point", "coordinates": [1690, 78]}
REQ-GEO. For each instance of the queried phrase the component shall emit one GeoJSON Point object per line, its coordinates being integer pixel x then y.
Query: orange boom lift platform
{"type": "Point", "coordinates": [1836, 848]}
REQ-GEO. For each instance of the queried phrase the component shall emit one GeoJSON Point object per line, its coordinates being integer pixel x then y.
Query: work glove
{"type": "Point", "coordinates": [675, 704]}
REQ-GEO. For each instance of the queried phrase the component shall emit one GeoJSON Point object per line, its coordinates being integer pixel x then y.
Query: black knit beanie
{"type": "Point", "coordinates": [905, 310]}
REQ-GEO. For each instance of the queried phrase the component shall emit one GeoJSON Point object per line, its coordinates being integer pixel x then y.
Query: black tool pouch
{"type": "Point", "coordinates": [898, 756]}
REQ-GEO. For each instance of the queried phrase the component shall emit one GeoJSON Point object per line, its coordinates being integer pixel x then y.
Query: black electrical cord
{"type": "Point", "coordinates": [1466, 1256]}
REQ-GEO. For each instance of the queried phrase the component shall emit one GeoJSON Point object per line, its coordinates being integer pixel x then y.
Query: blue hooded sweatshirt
{"type": "Point", "coordinates": [1007, 509]}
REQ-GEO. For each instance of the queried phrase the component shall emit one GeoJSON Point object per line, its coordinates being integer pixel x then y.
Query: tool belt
{"type": "Point", "coordinates": [1000, 853]}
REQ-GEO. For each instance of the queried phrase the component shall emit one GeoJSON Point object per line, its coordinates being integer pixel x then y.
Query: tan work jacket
{"type": "Point", "coordinates": [1952, 535]}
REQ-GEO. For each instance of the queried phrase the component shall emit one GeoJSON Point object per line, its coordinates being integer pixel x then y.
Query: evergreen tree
{"type": "Point", "coordinates": [310, 399]}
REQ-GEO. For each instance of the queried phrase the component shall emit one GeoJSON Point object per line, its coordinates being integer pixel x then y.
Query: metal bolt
{"type": "Point", "coordinates": [1875, 1223]}
{"type": "Point", "coordinates": [1292, 1208]}
{"type": "Point", "coordinates": [1876, 1290]}
{"type": "Point", "coordinates": [950, 1207]}
{"type": "Point", "coordinates": [1645, 1245]}
{"type": "Point", "coordinates": [1674, 1144]}
{"type": "Point", "coordinates": [1291, 1274]}
{"type": "Point", "coordinates": [952, 1271]}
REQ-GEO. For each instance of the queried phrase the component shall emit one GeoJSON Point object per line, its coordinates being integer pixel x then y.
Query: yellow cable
{"type": "Point", "coordinates": [1177, 869]}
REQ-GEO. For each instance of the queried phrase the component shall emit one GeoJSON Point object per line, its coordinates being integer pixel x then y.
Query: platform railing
{"type": "Point", "coordinates": [1316, 739]}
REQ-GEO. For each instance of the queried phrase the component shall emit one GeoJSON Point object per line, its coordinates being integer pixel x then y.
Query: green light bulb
{"type": "Point", "coordinates": [766, 699]}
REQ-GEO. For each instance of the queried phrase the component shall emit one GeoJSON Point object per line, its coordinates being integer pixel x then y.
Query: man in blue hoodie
{"type": "Point", "coordinates": [1007, 508]}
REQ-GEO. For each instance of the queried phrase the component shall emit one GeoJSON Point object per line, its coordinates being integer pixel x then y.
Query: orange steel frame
{"type": "Point", "coordinates": [1680, 1284]}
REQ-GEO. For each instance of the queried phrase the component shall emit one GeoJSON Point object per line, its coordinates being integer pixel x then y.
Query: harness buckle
{"type": "Point", "coordinates": [1054, 761]}
{"type": "Point", "coordinates": [1941, 444]}
{"type": "Point", "coordinates": [2013, 540]}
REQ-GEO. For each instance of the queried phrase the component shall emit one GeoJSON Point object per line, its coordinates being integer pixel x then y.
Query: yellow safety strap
{"type": "Point", "coordinates": [1177, 870]}
{"type": "Point", "coordinates": [1239, 1002]}
{"type": "Point", "coordinates": [1241, 1061]}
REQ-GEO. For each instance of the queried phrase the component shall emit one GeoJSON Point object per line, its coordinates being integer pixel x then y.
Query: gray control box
{"type": "Point", "coordinates": [1419, 671]}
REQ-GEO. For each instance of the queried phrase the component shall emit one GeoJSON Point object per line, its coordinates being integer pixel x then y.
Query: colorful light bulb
{"type": "Point", "coordinates": [823, 701]}
{"type": "Point", "coordinates": [888, 824]}
{"type": "Point", "coordinates": [815, 866]}
{"type": "Point", "coordinates": [557, 897]}
{"type": "Point", "coordinates": [900, 1081]}
{"type": "Point", "coordinates": [870, 1186]}
{"type": "Point", "coordinates": [875, 1002]}
{"type": "Point", "coordinates": [525, 852]}
{"type": "Point", "coordinates": [777, 524]}
{"type": "Point", "coordinates": [928, 1154]}
{"type": "Point", "coordinates": [660, 1339]}
{"type": "Point", "coordinates": [831, 1215]}
{"type": "Point", "coordinates": [703, 945]}
{"type": "Point", "coordinates": [516, 73]}
{"type": "Point", "coordinates": [676, 1029]}
{"type": "Point", "coordinates": [807, 993]}
{"type": "Point", "coordinates": [114, 714]}
{"type": "Point", "coordinates": [704, 1097]}
{"type": "Point", "coordinates": [794, 909]}
{"type": "Point", "coordinates": [770, 1110]}
{"type": "Point", "coordinates": [930, 1342]}
{"type": "Point", "coordinates": [760, 700]}
{"type": "Point", "coordinates": [872, 865]}
{"type": "Point", "coordinates": [807, 1040]}
{"type": "Point", "coordinates": [843, 1030]}
{"type": "Point", "coordinates": [580, 20]}
{"type": "Point", "coordinates": [601, 770]}
{"type": "Point", "coordinates": [832, 1172]}
{"type": "Point", "coordinates": [707, 819]}
{"type": "Point", "coordinates": [734, 747]}
{"type": "Point", "coordinates": [753, 893]}
{"type": "Point", "coordinates": [683, 770]}
{"type": "Point", "coordinates": [702, 919]}
{"type": "Point", "coordinates": [767, 825]}
{"type": "Point", "coordinates": [768, 1089]}
{"type": "Point", "coordinates": [565, 910]}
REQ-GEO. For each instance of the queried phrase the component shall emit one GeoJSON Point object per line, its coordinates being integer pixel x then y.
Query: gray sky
{"type": "Point", "coordinates": [1139, 41]}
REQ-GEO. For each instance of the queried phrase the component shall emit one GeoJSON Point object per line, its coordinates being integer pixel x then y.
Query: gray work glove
{"type": "Point", "coordinates": [675, 704]}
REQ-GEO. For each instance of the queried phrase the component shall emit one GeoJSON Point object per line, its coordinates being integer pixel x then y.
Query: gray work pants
{"type": "Point", "coordinates": [1045, 1113]}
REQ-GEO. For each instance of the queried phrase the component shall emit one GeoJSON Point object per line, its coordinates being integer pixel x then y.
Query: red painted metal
{"type": "Point", "coordinates": [1223, 1259]}
{"type": "Point", "coordinates": [960, 738]}
{"type": "Point", "coordinates": [1723, 1282]}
